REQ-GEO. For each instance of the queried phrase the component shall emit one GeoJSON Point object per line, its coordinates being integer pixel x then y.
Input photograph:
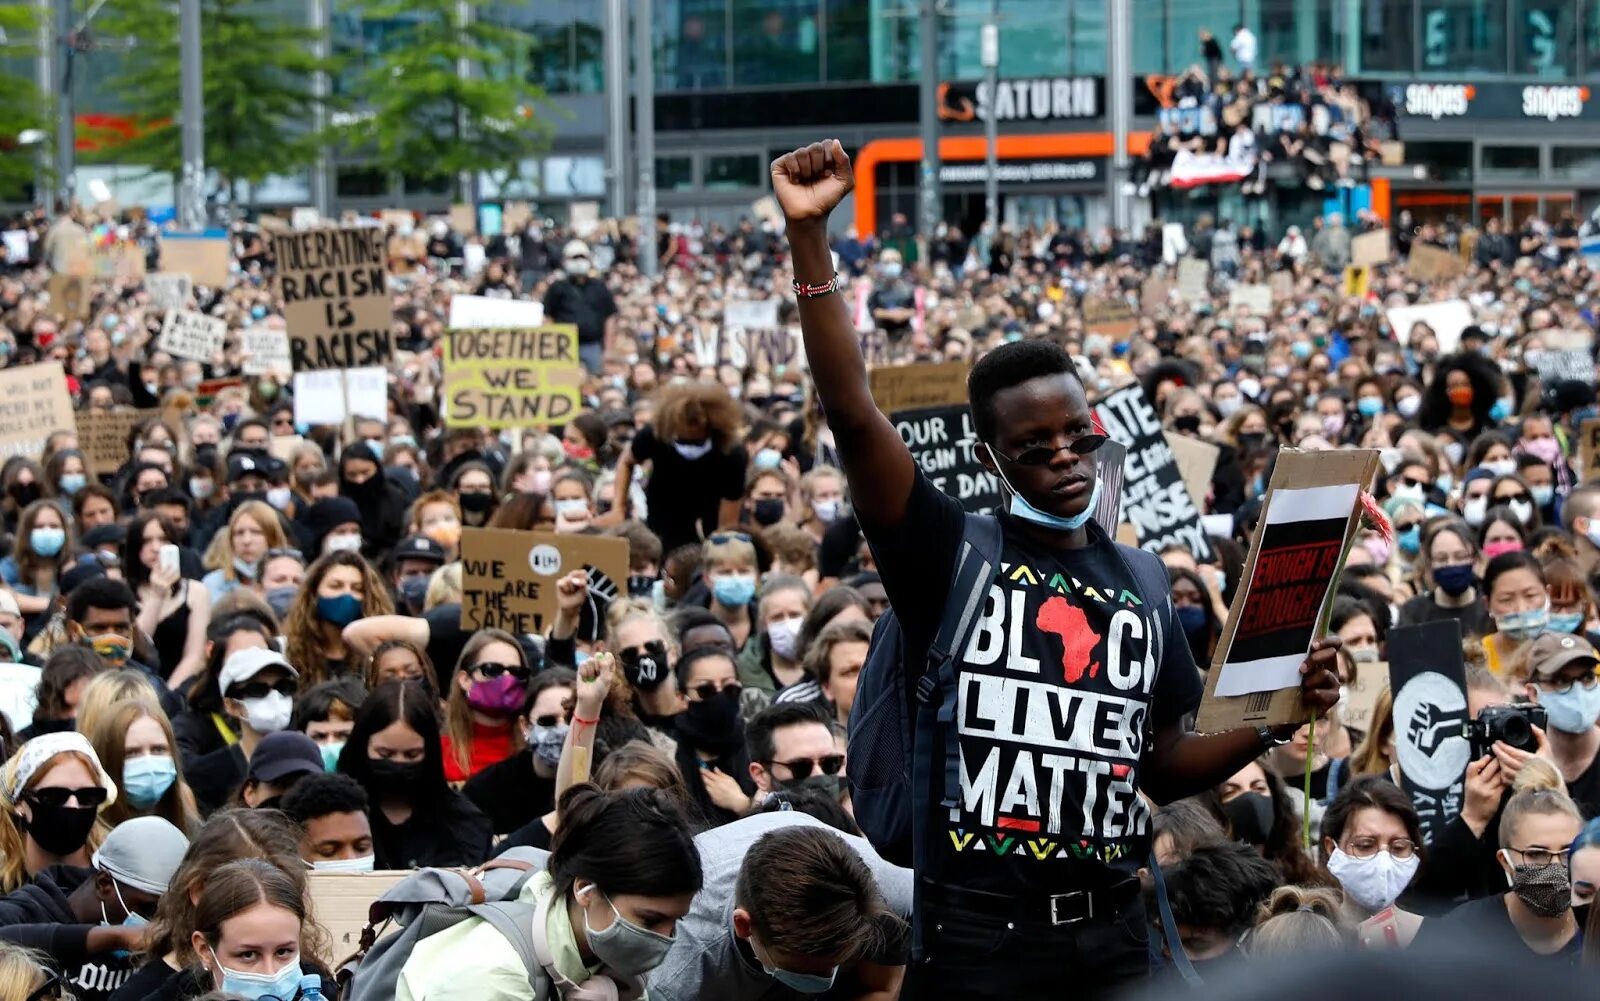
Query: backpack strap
{"type": "Point", "coordinates": [528, 870]}
{"type": "Point", "coordinates": [1169, 928]}
{"type": "Point", "coordinates": [510, 919]}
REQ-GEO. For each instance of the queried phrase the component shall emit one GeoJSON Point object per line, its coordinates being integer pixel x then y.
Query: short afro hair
{"type": "Point", "coordinates": [1008, 365]}
{"type": "Point", "coordinates": [321, 795]}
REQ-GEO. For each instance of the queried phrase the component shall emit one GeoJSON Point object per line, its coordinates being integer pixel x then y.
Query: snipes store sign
{"type": "Point", "coordinates": [1448, 101]}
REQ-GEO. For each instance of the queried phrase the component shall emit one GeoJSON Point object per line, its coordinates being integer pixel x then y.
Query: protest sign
{"type": "Point", "coordinates": [1109, 315]}
{"type": "Point", "coordinates": [335, 291]}
{"type": "Point", "coordinates": [1370, 249]}
{"type": "Point", "coordinates": [1256, 299]}
{"type": "Point", "coordinates": [1109, 467]}
{"type": "Point", "coordinates": [33, 402]}
{"type": "Point", "coordinates": [168, 290]}
{"type": "Point", "coordinates": [1193, 277]}
{"type": "Point", "coordinates": [305, 217]}
{"type": "Point", "coordinates": [266, 350]}
{"type": "Point", "coordinates": [1197, 461]}
{"type": "Point", "coordinates": [1310, 515]}
{"type": "Point", "coordinates": [463, 219]}
{"type": "Point", "coordinates": [1174, 243]}
{"type": "Point", "coordinates": [509, 578]}
{"type": "Point", "coordinates": [942, 443]}
{"type": "Point", "coordinates": [202, 256]}
{"type": "Point", "coordinates": [481, 312]}
{"type": "Point", "coordinates": [766, 207]}
{"type": "Point", "coordinates": [1154, 292]}
{"type": "Point", "coordinates": [70, 296]}
{"type": "Point", "coordinates": [103, 436]}
{"type": "Point", "coordinates": [399, 220]}
{"type": "Point", "coordinates": [188, 334]}
{"type": "Point", "coordinates": [1356, 281]}
{"type": "Point", "coordinates": [516, 216]}
{"type": "Point", "coordinates": [1370, 681]}
{"type": "Point", "coordinates": [16, 244]}
{"type": "Point", "coordinates": [1432, 264]}
{"type": "Point", "coordinates": [1282, 285]}
{"type": "Point", "coordinates": [1565, 366]}
{"type": "Point", "coordinates": [512, 378]}
{"type": "Point", "coordinates": [328, 396]}
{"type": "Point", "coordinates": [752, 339]}
{"type": "Point", "coordinates": [119, 261]}
{"type": "Point", "coordinates": [1589, 450]}
{"type": "Point", "coordinates": [1428, 678]}
{"type": "Point", "coordinates": [915, 387]}
{"type": "Point", "coordinates": [341, 902]}
{"type": "Point", "coordinates": [19, 686]}
{"type": "Point", "coordinates": [1154, 499]}
{"type": "Point", "coordinates": [1446, 319]}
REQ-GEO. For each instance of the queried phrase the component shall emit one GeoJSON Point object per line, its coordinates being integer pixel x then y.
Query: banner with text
{"type": "Point", "coordinates": [103, 436]}
{"type": "Point", "coordinates": [1428, 677]}
{"type": "Point", "coordinates": [188, 334]}
{"type": "Point", "coordinates": [1155, 500]}
{"type": "Point", "coordinates": [509, 578]}
{"type": "Point", "coordinates": [511, 378]}
{"type": "Point", "coordinates": [335, 289]}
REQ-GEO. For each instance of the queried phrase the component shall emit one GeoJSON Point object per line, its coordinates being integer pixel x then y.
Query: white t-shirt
{"type": "Point", "coordinates": [1244, 47]}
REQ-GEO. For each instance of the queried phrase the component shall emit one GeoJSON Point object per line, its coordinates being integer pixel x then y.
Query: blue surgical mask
{"type": "Point", "coordinates": [1192, 618]}
{"type": "Point", "coordinates": [1572, 711]}
{"type": "Point", "coordinates": [1369, 406]}
{"type": "Point", "coordinates": [1410, 540]}
{"type": "Point", "coordinates": [71, 483]}
{"type": "Point", "coordinates": [283, 985]}
{"type": "Point", "coordinates": [281, 599]}
{"type": "Point", "coordinates": [147, 778]}
{"type": "Point", "coordinates": [330, 755]}
{"type": "Point", "coordinates": [1020, 508]}
{"type": "Point", "coordinates": [768, 458]}
{"type": "Point", "coordinates": [1543, 494]}
{"type": "Point", "coordinates": [734, 591]}
{"type": "Point", "coordinates": [414, 589]}
{"type": "Point", "coordinates": [47, 542]}
{"type": "Point", "coordinates": [339, 610]}
{"type": "Point", "coordinates": [1565, 622]}
{"type": "Point", "coordinates": [1524, 625]}
{"type": "Point", "coordinates": [802, 983]}
{"type": "Point", "coordinates": [1500, 410]}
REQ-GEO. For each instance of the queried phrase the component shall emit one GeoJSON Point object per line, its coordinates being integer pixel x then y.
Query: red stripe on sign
{"type": "Point", "coordinates": [1017, 824]}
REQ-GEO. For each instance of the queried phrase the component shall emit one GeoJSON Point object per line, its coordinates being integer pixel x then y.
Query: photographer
{"type": "Point", "coordinates": [1562, 680]}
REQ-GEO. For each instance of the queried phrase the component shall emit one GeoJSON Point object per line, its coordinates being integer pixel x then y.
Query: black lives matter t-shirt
{"type": "Point", "coordinates": [1058, 691]}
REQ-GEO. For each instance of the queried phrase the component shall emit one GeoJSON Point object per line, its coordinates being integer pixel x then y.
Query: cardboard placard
{"type": "Point", "coordinates": [1257, 299]}
{"type": "Point", "coordinates": [266, 351]}
{"type": "Point", "coordinates": [481, 312]}
{"type": "Point", "coordinates": [1154, 293]}
{"type": "Point", "coordinates": [1589, 450]}
{"type": "Point", "coordinates": [335, 288]}
{"type": "Point", "coordinates": [119, 261]}
{"type": "Point", "coordinates": [305, 217]}
{"type": "Point", "coordinates": [916, 387]}
{"type": "Point", "coordinates": [70, 296]}
{"type": "Point", "coordinates": [753, 341]}
{"type": "Point", "coordinates": [1282, 285]}
{"type": "Point", "coordinates": [1197, 462]}
{"type": "Point", "coordinates": [202, 256]}
{"type": "Point", "coordinates": [1370, 249]}
{"type": "Point", "coordinates": [328, 397]}
{"type": "Point", "coordinates": [103, 436]}
{"type": "Point", "coordinates": [169, 290]}
{"type": "Point", "coordinates": [509, 578]}
{"type": "Point", "coordinates": [1310, 516]}
{"type": "Point", "coordinates": [400, 220]}
{"type": "Point", "coordinates": [512, 378]}
{"type": "Point", "coordinates": [1356, 281]}
{"type": "Point", "coordinates": [1429, 680]}
{"type": "Point", "coordinates": [515, 216]}
{"type": "Point", "coordinates": [1155, 500]}
{"type": "Point", "coordinates": [283, 446]}
{"type": "Point", "coordinates": [1194, 276]}
{"type": "Point", "coordinates": [942, 441]}
{"type": "Point", "coordinates": [1109, 315]}
{"type": "Point", "coordinates": [1369, 682]}
{"type": "Point", "coordinates": [341, 901]}
{"type": "Point", "coordinates": [188, 334]}
{"type": "Point", "coordinates": [16, 245]}
{"type": "Point", "coordinates": [766, 208]}
{"type": "Point", "coordinates": [1448, 319]}
{"type": "Point", "coordinates": [463, 219]}
{"type": "Point", "coordinates": [1434, 264]}
{"type": "Point", "coordinates": [34, 402]}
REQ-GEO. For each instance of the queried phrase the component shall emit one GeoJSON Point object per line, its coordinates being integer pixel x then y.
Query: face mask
{"type": "Point", "coordinates": [71, 483]}
{"type": "Point", "coordinates": [330, 755]}
{"type": "Point", "coordinates": [1501, 467]}
{"type": "Point", "coordinates": [1378, 548]}
{"type": "Point", "coordinates": [282, 985]}
{"type": "Point", "coordinates": [395, 778]}
{"type": "Point", "coordinates": [1524, 625]}
{"type": "Point", "coordinates": [342, 544]}
{"type": "Point", "coordinates": [1501, 410]}
{"type": "Point", "coordinates": [658, 596]}
{"type": "Point", "coordinates": [1363, 654]}
{"type": "Point", "coordinates": [414, 590]}
{"type": "Point", "coordinates": [767, 511]}
{"type": "Point", "coordinates": [547, 742]}
{"type": "Point", "coordinates": [26, 493]}
{"type": "Point", "coordinates": [640, 585]}
{"type": "Point", "coordinates": [1543, 495]}
{"type": "Point", "coordinates": [539, 480]}
{"type": "Point", "coordinates": [1546, 449]}
{"type": "Point", "coordinates": [339, 610]}
{"type": "Point", "coordinates": [1410, 540]}
{"type": "Point", "coordinates": [1369, 406]}
{"type": "Point", "coordinates": [577, 453]}
{"type": "Point", "coordinates": [361, 863]}
{"type": "Point", "coordinates": [244, 568]}
{"type": "Point", "coordinates": [1475, 509]}
{"type": "Point", "coordinates": [826, 510]}
{"type": "Point", "coordinates": [1407, 406]}
{"type": "Point", "coordinates": [268, 714]}
{"type": "Point", "coordinates": [500, 696]}
{"type": "Point", "coordinates": [279, 498]}
{"type": "Point", "coordinates": [801, 983]}
{"type": "Point", "coordinates": [446, 533]}
{"type": "Point", "coordinates": [1250, 817]}
{"type": "Point", "coordinates": [1192, 618]}
{"type": "Point", "coordinates": [1252, 439]}
{"type": "Point", "coordinates": [784, 637]}
{"type": "Point", "coordinates": [1572, 711]}
{"type": "Point", "coordinates": [1408, 492]}
{"type": "Point", "coordinates": [113, 648]}
{"type": "Point", "coordinates": [1545, 889]}
{"type": "Point", "coordinates": [376, 444]}
{"type": "Point", "coordinates": [575, 509]}
{"type": "Point", "coordinates": [768, 458]}
{"type": "Point", "coordinates": [578, 267]}
{"type": "Point", "coordinates": [1461, 396]}
{"type": "Point", "coordinates": [59, 830]}
{"type": "Point", "coordinates": [1564, 622]}
{"type": "Point", "coordinates": [693, 450]}
{"type": "Point", "coordinates": [1374, 882]}
{"type": "Point", "coordinates": [146, 779]}
{"type": "Point", "coordinates": [199, 488]}
{"type": "Point", "coordinates": [1493, 549]}
{"type": "Point", "coordinates": [1455, 580]}
{"type": "Point", "coordinates": [646, 668]}
{"type": "Point", "coordinates": [476, 503]}
{"type": "Point", "coordinates": [625, 947]}
{"type": "Point", "coordinates": [281, 598]}
{"type": "Point", "coordinates": [47, 542]}
{"type": "Point", "coordinates": [890, 270]}
{"type": "Point", "coordinates": [733, 591]}
{"type": "Point", "coordinates": [1333, 425]}
{"type": "Point", "coordinates": [1522, 509]}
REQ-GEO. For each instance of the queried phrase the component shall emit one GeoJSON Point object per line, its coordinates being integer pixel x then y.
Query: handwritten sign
{"type": "Point", "coordinates": [202, 256]}
{"type": "Point", "coordinates": [1154, 293]}
{"type": "Point", "coordinates": [1356, 281]}
{"type": "Point", "coordinates": [916, 387]}
{"type": "Point", "coordinates": [103, 436]}
{"type": "Point", "coordinates": [1197, 463]}
{"type": "Point", "coordinates": [69, 296]}
{"type": "Point", "coordinates": [1154, 498]}
{"type": "Point", "coordinates": [188, 334]}
{"type": "Point", "coordinates": [509, 578]}
{"type": "Point", "coordinates": [34, 402]}
{"type": "Point", "coordinates": [1367, 684]}
{"type": "Point", "coordinates": [1589, 450]}
{"type": "Point", "coordinates": [942, 442]}
{"type": "Point", "coordinates": [1431, 264]}
{"type": "Point", "coordinates": [334, 284]}
{"type": "Point", "coordinates": [1446, 319]}
{"type": "Point", "coordinates": [1109, 315]}
{"type": "Point", "coordinates": [511, 378]}
{"type": "Point", "coordinates": [1370, 249]}
{"type": "Point", "coordinates": [328, 397]}
{"type": "Point", "coordinates": [266, 350]}
{"type": "Point", "coordinates": [1194, 275]}
{"type": "Point", "coordinates": [1256, 299]}
{"type": "Point", "coordinates": [1282, 285]}
{"type": "Point", "coordinates": [168, 290]}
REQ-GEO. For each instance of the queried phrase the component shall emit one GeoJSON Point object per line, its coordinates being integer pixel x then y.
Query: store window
{"type": "Point", "coordinates": [693, 49]}
{"type": "Point", "coordinates": [775, 42]}
{"type": "Point", "coordinates": [674, 173]}
{"type": "Point", "coordinates": [1511, 161]}
{"type": "Point", "coordinates": [1580, 162]}
{"type": "Point", "coordinates": [361, 182]}
{"type": "Point", "coordinates": [846, 56]}
{"type": "Point", "coordinates": [1544, 38]}
{"type": "Point", "coordinates": [733, 170]}
{"type": "Point", "coordinates": [1037, 38]}
{"type": "Point", "coordinates": [1444, 161]}
{"type": "Point", "coordinates": [1460, 36]}
{"type": "Point", "coordinates": [563, 47]}
{"type": "Point", "coordinates": [893, 25]}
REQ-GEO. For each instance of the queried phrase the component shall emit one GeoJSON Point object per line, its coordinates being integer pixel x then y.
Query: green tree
{"type": "Point", "coordinates": [23, 108]}
{"type": "Point", "coordinates": [421, 117]}
{"type": "Point", "coordinates": [258, 68]}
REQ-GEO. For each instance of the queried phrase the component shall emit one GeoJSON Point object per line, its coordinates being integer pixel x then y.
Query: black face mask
{"type": "Point", "coordinates": [1187, 424]}
{"type": "Point", "coordinates": [1250, 816]}
{"type": "Point", "coordinates": [712, 725]}
{"type": "Point", "coordinates": [24, 493]}
{"type": "Point", "coordinates": [395, 778]}
{"type": "Point", "coordinates": [59, 830]}
{"type": "Point", "coordinates": [768, 511]}
{"type": "Point", "coordinates": [477, 503]}
{"type": "Point", "coordinates": [646, 667]}
{"type": "Point", "coordinates": [1252, 439]}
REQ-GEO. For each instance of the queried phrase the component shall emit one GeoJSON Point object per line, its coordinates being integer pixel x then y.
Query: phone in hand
{"type": "Point", "coordinates": [168, 558]}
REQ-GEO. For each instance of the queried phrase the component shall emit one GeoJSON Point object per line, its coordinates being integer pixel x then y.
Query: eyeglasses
{"type": "Point", "coordinates": [1039, 455]}
{"type": "Point", "coordinates": [1542, 856]}
{"type": "Point", "coordinates": [723, 538]}
{"type": "Point", "coordinates": [1400, 848]}
{"type": "Point", "coordinates": [260, 689]}
{"type": "Point", "coordinates": [53, 988]}
{"type": "Point", "coordinates": [489, 671]}
{"type": "Point", "coordinates": [1587, 683]}
{"type": "Point", "coordinates": [58, 796]}
{"type": "Point", "coordinates": [801, 768]}
{"type": "Point", "coordinates": [708, 690]}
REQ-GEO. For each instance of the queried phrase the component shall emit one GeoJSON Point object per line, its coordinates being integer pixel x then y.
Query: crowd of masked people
{"type": "Point", "coordinates": [237, 661]}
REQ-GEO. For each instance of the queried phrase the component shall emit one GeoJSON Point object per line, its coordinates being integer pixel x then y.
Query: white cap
{"type": "Point", "coordinates": [142, 853]}
{"type": "Point", "coordinates": [242, 665]}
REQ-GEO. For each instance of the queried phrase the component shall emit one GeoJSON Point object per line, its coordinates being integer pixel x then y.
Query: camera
{"type": "Point", "coordinates": [1513, 724]}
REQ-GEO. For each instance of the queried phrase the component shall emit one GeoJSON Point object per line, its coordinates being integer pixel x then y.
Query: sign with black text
{"type": "Point", "coordinates": [1429, 682]}
{"type": "Point", "coordinates": [1155, 500]}
{"type": "Point", "coordinates": [943, 443]}
{"type": "Point", "coordinates": [511, 378]}
{"type": "Point", "coordinates": [335, 288]}
{"type": "Point", "coordinates": [509, 578]}
{"type": "Point", "coordinates": [188, 334]}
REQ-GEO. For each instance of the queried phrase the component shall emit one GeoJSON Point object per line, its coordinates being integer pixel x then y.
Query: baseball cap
{"type": "Point", "coordinates": [242, 665]}
{"type": "Point", "coordinates": [242, 464]}
{"type": "Point", "coordinates": [285, 753]}
{"type": "Point", "coordinates": [143, 853]}
{"type": "Point", "coordinates": [418, 547]}
{"type": "Point", "coordinates": [1551, 652]}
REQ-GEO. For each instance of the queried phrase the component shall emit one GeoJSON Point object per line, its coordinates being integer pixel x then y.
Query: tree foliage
{"type": "Point", "coordinates": [22, 106]}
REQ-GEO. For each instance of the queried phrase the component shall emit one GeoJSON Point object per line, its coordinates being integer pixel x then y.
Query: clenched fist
{"type": "Point", "coordinates": [810, 181]}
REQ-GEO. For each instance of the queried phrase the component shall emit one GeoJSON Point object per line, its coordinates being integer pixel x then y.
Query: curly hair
{"type": "Point", "coordinates": [678, 408]}
{"type": "Point", "coordinates": [1486, 382]}
{"type": "Point", "coordinates": [303, 628]}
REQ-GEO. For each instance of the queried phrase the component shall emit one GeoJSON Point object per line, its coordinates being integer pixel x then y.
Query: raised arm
{"type": "Point", "coordinates": [594, 683]}
{"type": "Point", "coordinates": [808, 183]}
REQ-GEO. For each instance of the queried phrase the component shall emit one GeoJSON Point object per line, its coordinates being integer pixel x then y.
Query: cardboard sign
{"type": "Point", "coordinates": [942, 442]}
{"type": "Point", "coordinates": [188, 334]}
{"type": "Point", "coordinates": [1309, 518]}
{"type": "Point", "coordinates": [341, 900]}
{"type": "Point", "coordinates": [916, 387]}
{"type": "Point", "coordinates": [1194, 275]}
{"type": "Point", "coordinates": [463, 219]}
{"type": "Point", "coordinates": [1428, 678]}
{"type": "Point", "coordinates": [753, 341]}
{"type": "Point", "coordinates": [305, 217]}
{"type": "Point", "coordinates": [1370, 249]}
{"type": "Point", "coordinates": [1282, 285]}
{"type": "Point", "coordinates": [1154, 499]}
{"type": "Point", "coordinates": [481, 312]}
{"type": "Point", "coordinates": [330, 396]}
{"type": "Point", "coordinates": [512, 378]}
{"type": "Point", "coordinates": [1369, 682]}
{"type": "Point", "coordinates": [509, 578]}
{"type": "Point", "coordinates": [766, 207]}
{"type": "Point", "coordinates": [335, 288]}
{"type": "Point", "coordinates": [1356, 281]}
{"type": "Point", "coordinates": [266, 350]}
{"type": "Point", "coordinates": [1257, 299]}
{"type": "Point", "coordinates": [103, 436]}
{"type": "Point", "coordinates": [34, 402]}
{"type": "Point", "coordinates": [169, 290]}
{"type": "Point", "coordinates": [1197, 462]}
{"type": "Point", "coordinates": [70, 296]}
{"type": "Point", "coordinates": [1154, 293]}
{"type": "Point", "coordinates": [1447, 319]}
{"type": "Point", "coordinates": [16, 244]}
{"type": "Point", "coordinates": [202, 256]}
{"type": "Point", "coordinates": [1109, 315]}
{"type": "Point", "coordinates": [118, 262]}
{"type": "Point", "coordinates": [1434, 264]}
{"type": "Point", "coordinates": [400, 220]}
{"type": "Point", "coordinates": [1589, 450]}
{"type": "Point", "coordinates": [515, 216]}
{"type": "Point", "coordinates": [1565, 366]}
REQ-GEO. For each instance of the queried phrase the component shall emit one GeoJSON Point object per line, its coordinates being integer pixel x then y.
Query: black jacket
{"type": "Point", "coordinates": [194, 982]}
{"type": "Point", "coordinates": [510, 793]}
{"type": "Point", "coordinates": [39, 916]}
{"type": "Point", "coordinates": [449, 832]}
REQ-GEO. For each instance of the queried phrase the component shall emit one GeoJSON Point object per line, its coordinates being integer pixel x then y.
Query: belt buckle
{"type": "Point", "coordinates": [1055, 908]}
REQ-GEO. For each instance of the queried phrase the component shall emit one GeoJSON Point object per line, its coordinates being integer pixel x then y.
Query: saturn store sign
{"type": "Point", "coordinates": [1039, 99]}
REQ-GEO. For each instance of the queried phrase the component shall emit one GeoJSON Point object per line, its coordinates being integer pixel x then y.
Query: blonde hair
{"type": "Point", "coordinates": [1539, 791]}
{"type": "Point", "coordinates": [22, 971]}
{"type": "Point", "coordinates": [104, 694]}
{"type": "Point", "coordinates": [444, 586]}
{"type": "Point", "coordinates": [13, 861]}
{"type": "Point", "coordinates": [733, 550]}
{"type": "Point", "coordinates": [1370, 758]}
{"type": "Point", "coordinates": [1297, 919]}
{"type": "Point", "coordinates": [109, 737]}
{"type": "Point", "coordinates": [629, 609]}
{"type": "Point", "coordinates": [219, 554]}
{"type": "Point", "coordinates": [432, 497]}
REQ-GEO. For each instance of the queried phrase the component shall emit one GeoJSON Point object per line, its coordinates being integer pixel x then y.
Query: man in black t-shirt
{"type": "Point", "coordinates": [1070, 704]}
{"type": "Point", "coordinates": [584, 300]}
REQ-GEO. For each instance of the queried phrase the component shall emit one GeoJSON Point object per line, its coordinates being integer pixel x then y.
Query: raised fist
{"type": "Point", "coordinates": [813, 179]}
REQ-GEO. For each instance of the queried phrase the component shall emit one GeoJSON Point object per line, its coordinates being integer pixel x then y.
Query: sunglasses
{"type": "Point", "coordinates": [53, 988]}
{"type": "Point", "coordinates": [1508, 498]}
{"type": "Point", "coordinates": [490, 671]}
{"type": "Point", "coordinates": [260, 689]}
{"type": "Point", "coordinates": [1084, 444]}
{"type": "Point", "coordinates": [723, 538]}
{"type": "Point", "coordinates": [1408, 481]}
{"type": "Point", "coordinates": [551, 719]}
{"type": "Point", "coordinates": [801, 768]}
{"type": "Point", "coordinates": [58, 796]}
{"type": "Point", "coordinates": [708, 690]}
